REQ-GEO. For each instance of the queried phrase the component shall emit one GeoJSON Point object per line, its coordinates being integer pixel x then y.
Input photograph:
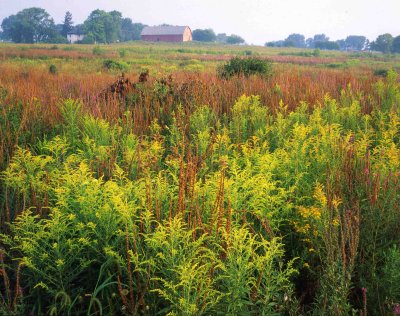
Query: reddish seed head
{"type": "Point", "coordinates": [364, 290]}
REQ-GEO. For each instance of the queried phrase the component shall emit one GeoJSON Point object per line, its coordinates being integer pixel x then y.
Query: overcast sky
{"type": "Point", "coordinates": [257, 21]}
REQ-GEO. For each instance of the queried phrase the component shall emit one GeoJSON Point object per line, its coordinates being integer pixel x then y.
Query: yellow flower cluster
{"type": "Point", "coordinates": [319, 194]}
{"type": "Point", "coordinates": [303, 229]}
{"type": "Point", "coordinates": [335, 222]}
{"type": "Point", "coordinates": [311, 212]}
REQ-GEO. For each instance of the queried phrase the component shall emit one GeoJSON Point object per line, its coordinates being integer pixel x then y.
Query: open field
{"type": "Point", "coordinates": [183, 193]}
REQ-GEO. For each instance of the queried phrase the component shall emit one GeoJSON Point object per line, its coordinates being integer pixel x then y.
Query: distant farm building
{"type": "Point", "coordinates": [77, 34]}
{"type": "Point", "coordinates": [166, 34]}
{"type": "Point", "coordinates": [74, 37]}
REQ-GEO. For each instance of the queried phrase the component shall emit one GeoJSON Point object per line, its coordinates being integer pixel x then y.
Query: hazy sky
{"type": "Point", "coordinates": [257, 21]}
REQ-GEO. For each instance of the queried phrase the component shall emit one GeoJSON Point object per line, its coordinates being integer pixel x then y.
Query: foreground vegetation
{"type": "Point", "coordinates": [193, 194]}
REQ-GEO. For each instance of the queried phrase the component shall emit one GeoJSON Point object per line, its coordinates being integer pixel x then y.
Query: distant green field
{"type": "Point", "coordinates": [169, 57]}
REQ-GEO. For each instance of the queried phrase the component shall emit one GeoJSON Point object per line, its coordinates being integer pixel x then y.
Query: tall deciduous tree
{"type": "Point", "coordinates": [206, 35]}
{"type": "Point", "coordinates": [95, 25]}
{"type": "Point", "coordinates": [321, 38]}
{"type": "Point", "coordinates": [318, 38]}
{"type": "Point", "coordinates": [396, 45]}
{"type": "Point", "coordinates": [30, 25]}
{"type": "Point", "coordinates": [342, 44]}
{"type": "Point", "coordinates": [327, 45]}
{"type": "Point", "coordinates": [130, 31]}
{"type": "Point", "coordinates": [113, 26]}
{"type": "Point", "coordinates": [356, 42]}
{"type": "Point", "coordinates": [234, 39]}
{"type": "Point", "coordinates": [383, 43]}
{"type": "Point", "coordinates": [104, 26]}
{"type": "Point", "coordinates": [296, 40]}
{"type": "Point", "coordinates": [222, 38]}
{"type": "Point", "coordinates": [67, 24]}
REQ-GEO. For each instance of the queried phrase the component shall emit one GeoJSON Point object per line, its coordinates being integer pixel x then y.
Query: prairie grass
{"type": "Point", "coordinates": [196, 195]}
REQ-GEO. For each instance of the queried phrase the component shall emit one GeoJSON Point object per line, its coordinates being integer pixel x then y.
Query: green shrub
{"type": "Point", "coordinates": [381, 72]}
{"type": "Point", "coordinates": [245, 67]}
{"type": "Point", "coordinates": [88, 39]}
{"type": "Point", "coordinates": [335, 65]}
{"type": "Point", "coordinates": [97, 50]}
{"type": "Point", "coordinates": [316, 52]}
{"type": "Point", "coordinates": [115, 65]}
{"type": "Point", "coordinates": [122, 53]}
{"type": "Point", "coordinates": [53, 69]}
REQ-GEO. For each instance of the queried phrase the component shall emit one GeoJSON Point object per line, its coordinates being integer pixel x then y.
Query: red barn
{"type": "Point", "coordinates": [166, 34]}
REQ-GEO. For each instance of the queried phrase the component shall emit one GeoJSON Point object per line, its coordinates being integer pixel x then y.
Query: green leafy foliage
{"type": "Point", "coordinates": [391, 277]}
{"type": "Point", "coordinates": [53, 69]}
{"type": "Point", "coordinates": [245, 67]}
{"type": "Point", "coordinates": [115, 65]}
{"type": "Point", "coordinates": [31, 25]}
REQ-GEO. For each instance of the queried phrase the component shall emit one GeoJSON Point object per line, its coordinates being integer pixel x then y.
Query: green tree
{"type": "Point", "coordinates": [30, 25]}
{"type": "Point", "coordinates": [113, 26]}
{"type": "Point", "coordinates": [321, 38]}
{"type": "Point", "coordinates": [234, 39]}
{"type": "Point", "coordinates": [296, 40]}
{"type": "Point", "coordinates": [356, 42]}
{"type": "Point", "coordinates": [221, 38]}
{"type": "Point", "coordinates": [327, 45]}
{"type": "Point", "coordinates": [274, 44]}
{"type": "Point", "coordinates": [95, 25]}
{"type": "Point", "coordinates": [67, 24]}
{"type": "Point", "coordinates": [342, 44]}
{"type": "Point", "coordinates": [105, 27]}
{"type": "Point", "coordinates": [318, 38]}
{"type": "Point", "coordinates": [130, 31]}
{"type": "Point", "coordinates": [310, 42]}
{"type": "Point", "coordinates": [396, 45]}
{"type": "Point", "coordinates": [206, 35]}
{"type": "Point", "coordinates": [383, 43]}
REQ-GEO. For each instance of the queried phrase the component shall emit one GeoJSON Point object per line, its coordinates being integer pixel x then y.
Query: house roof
{"type": "Point", "coordinates": [164, 30]}
{"type": "Point", "coordinates": [77, 30]}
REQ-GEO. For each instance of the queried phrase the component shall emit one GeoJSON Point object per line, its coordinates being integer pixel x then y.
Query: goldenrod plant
{"type": "Point", "coordinates": [198, 195]}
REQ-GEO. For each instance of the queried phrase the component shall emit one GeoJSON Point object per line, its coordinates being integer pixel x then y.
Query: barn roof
{"type": "Point", "coordinates": [163, 30]}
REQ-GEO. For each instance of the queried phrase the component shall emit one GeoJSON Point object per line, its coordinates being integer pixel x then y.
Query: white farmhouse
{"type": "Point", "coordinates": [74, 37]}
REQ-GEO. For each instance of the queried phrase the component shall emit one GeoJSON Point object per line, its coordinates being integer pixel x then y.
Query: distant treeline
{"type": "Point", "coordinates": [35, 25]}
{"type": "Point", "coordinates": [208, 35]}
{"type": "Point", "coordinates": [384, 43]}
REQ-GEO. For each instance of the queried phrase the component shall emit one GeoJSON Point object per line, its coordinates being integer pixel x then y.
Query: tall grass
{"type": "Point", "coordinates": [194, 195]}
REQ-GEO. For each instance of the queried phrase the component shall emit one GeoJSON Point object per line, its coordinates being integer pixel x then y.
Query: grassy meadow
{"type": "Point", "coordinates": [189, 193]}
